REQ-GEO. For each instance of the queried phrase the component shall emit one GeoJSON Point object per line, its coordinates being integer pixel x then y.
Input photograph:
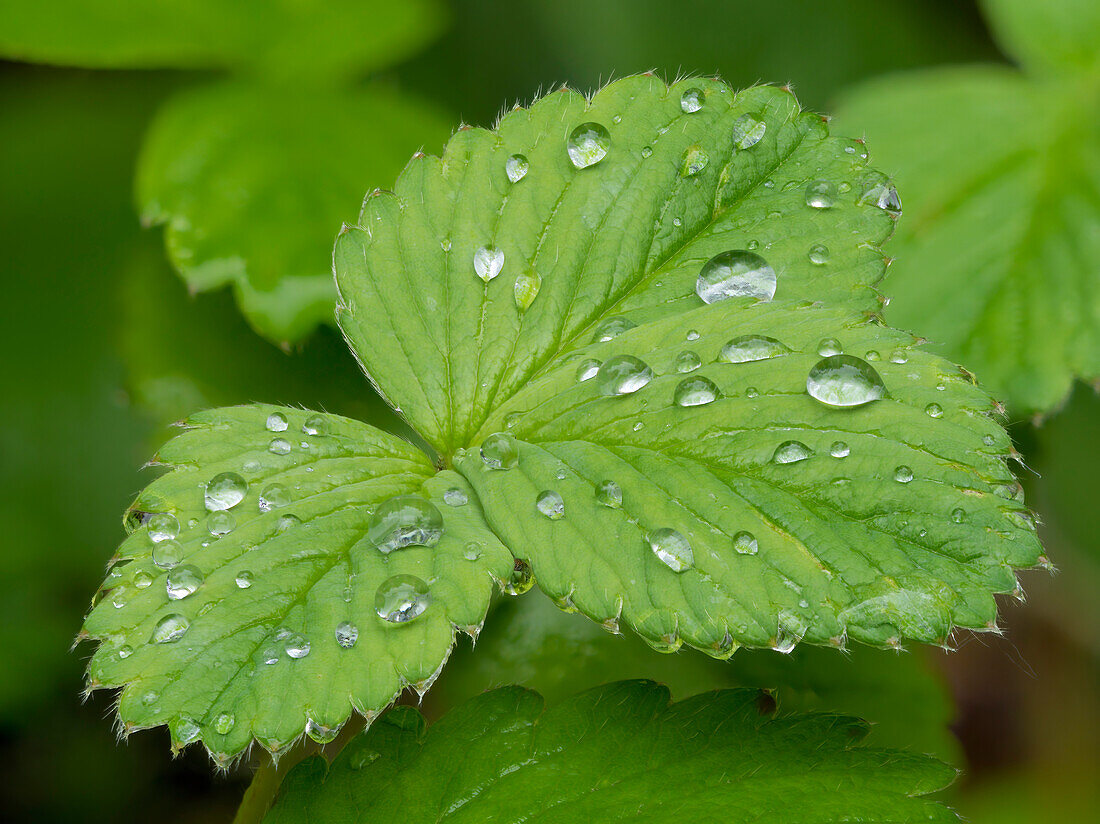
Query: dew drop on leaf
{"type": "Point", "coordinates": [316, 425]}
{"type": "Point", "coordinates": [224, 723]}
{"type": "Point", "coordinates": [184, 730]}
{"type": "Point", "coordinates": [279, 446]}
{"type": "Point", "coordinates": [521, 580]}
{"type": "Point", "coordinates": [142, 579]}
{"type": "Point", "coordinates": [623, 375]}
{"type": "Point", "coordinates": [687, 361]}
{"type": "Point", "coordinates": [273, 495]}
{"type": "Point", "coordinates": [612, 328]}
{"type": "Point", "coordinates": [286, 522]}
{"type": "Point", "coordinates": [934, 410]}
{"type": "Point", "coordinates": [695, 161]}
{"type": "Point", "coordinates": [609, 494]}
{"type": "Point", "coordinates": [320, 733]}
{"type": "Point", "coordinates": [587, 370]}
{"type": "Point", "coordinates": [220, 523]}
{"type": "Point", "coordinates": [167, 554]}
{"type": "Point", "coordinates": [818, 254]}
{"type": "Point", "coordinates": [163, 526]}
{"type": "Point", "coordinates": [899, 356]}
{"type": "Point", "coordinates": [691, 101]}
{"type": "Point", "coordinates": [182, 581]}
{"type": "Point", "coordinates": [791, 452]}
{"type": "Point", "coordinates": [526, 289]}
{"type": "Point", "coordinates": [455, 497]}
{"type": "Point", "coordinates": [405, 520]}
{"type": "Point", "coordinates": [276, 422]}
{"type": "Point", "coordinates": [588, 144]}
{"type": "Point", "coordinates": [746, 348]}
{"type": "Point", "coordinates": [839, 449]}
{"type": "Point", "coordinates": [472, 551]}
{"type": "Point", "coordinates": [697, 391]}
{"type": "Point", "coordinates": [346, 634]}
{"type": "Point", "coordinates": [225, 491]}
{"type": "Point", "coordinates": [958, 515]}
{"type": "Point", "coordinates": [829, 346]}
{"type": "Point", "coordinates": [733, 274]}
{"type": "Point", "coordinates": [516, 167]}
{"type": "Point", "coordinates": [821, 194]}
{"type": "Point", "coordinates": [672, 549]}
{"type": "Point", "coordinates": [498, 451]}
{"type": "Point", "coordinates": [170, 628]}
{"type": "Point", "coordinates": [550, 504]}
{"type": "Point", "coordinates": [744, 543]}
{"type": "Point", "coordinates": [903, 474]}
{"type": "Point", "coordinates": [401, 598]}
{"type": "Point", "coordinates": [125, 651]}
{"type": "Point", "coordinates": [844, 381]}
{"type": "Point", "coordinates": [488, 262]}
{"type": "Point", "coordinates": [296, 646]}
{"type": "Point", "coordinates": [245, 578]}
{"type": "Point", "coordinates": [748, 131]}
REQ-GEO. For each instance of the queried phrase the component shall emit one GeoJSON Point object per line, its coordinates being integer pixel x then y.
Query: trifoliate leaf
{"type": "Point", "coordinates": [284, 39]}
{"type": "Point", "coordinates": [756, 470]}
{"type": "Point", "coordinates": [252, 183]}
{"type": "Point", "coordinates": [997, 254]}
{"type": "Point", "coordinates": [620, 752]}
{"type": "Point", "coordinates": [248, 599]}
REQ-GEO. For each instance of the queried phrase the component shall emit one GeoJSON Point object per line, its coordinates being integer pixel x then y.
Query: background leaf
{"type": "Point", "coordinates": [1057, 36]}
{"type": "Point", "coordinates": [611, 754]}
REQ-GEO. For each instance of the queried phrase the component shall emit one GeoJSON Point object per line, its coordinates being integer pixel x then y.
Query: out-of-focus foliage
{"type": "Point", "coordinates": [998, 257]}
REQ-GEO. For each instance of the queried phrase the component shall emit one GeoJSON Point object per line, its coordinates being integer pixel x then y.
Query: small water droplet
{"type": "Point", "coordinates": [691, 101]}
{"type": "Point", "coordinates": [316, 425]}
{"type": "Point", "coordinates": [224, 723]}
{"type": "Point", "coordinates": [695, 161]}
{"type": "Point", "coordinates": [488, 262]}
{"type": "Point", "coordinates": [587, 370]}
{"type": "Point", "coordinates": [225, 491]}
{"type": "Point", "coordinates": [184, 730]}
{"type": "Point", "coordinates": [747, 131]}
{"type": "Point", "coordinates": [672, 549]}
{"type": "Point", "coordinates": [142, 579]}
{"type": "Point", "coordinates": [220, 523]}
{"type": "Point", "coordinates": [245, 579]}
{"type": "Point", "coordinates": [169, 629]}
{"type": "Point", "coordinates": [884, 196]}
{"type": "Point", "coordinates": [167, 554]}
{"type": "Point", "coordinates": [934, 410]}
{"type": "Point", "coordinates": [125, 651]}
{"type": "Point", "coordinates": [988, 440]}
{"type": "Point", "coordinates": [744, 543]}
{"type": "Point", "coordinates": [736, 273]}
{"type": "Point", "coordinates": [697, 391]}
{"type": "Point", "coordinates": [286, 522]}
{"type": "Point", "coordinates": [455, 497]}
{"type": "Point", "coordinates": [588, 144]}
{"type": "Point", "coordinates": [498, 451]}
{"type": "Point", "coordinates": [526, 289]}
{"type": "Point", "coordinates": [279, 446]}
{"type": "Point", "coordinates": [687, 361]}
{"type": "Point", "coordinates": [401, 598]}
{"type": "Point", "coordinates": [296, 646]}
{"type": "Point", "coordinates": [844, 380]}
{"type": "Point", "coordinates": [746, 348]}
{"type": "Point", "coordinates": [472, 551]}
{"type": "Point", "coordinates": [612, 328]}
{"type": "Point", "coordinates": [903, 474]}
{"type": "Point", "coordinates": [609, 494]}
{"type": "Point", "coordinates": [958, 515]}
{"type": "Point", "coordinates": [274, 495]}
{"type": "Point", "coordinates": [872, 355]}
{"type": "Point", "coordinates": [899, 356]}
{"type": "Point", "coordinates": [550, 504]}
{"type": "Point", "coordinates": [791, 452]}
{"type": "Point", "coordinates": [647, 152]}
{"type": "Point", "coordinates": [405, 520]}
{"type": "Point", "coordinates": [321, 733]}
{"type": "Point", "coordinates": [516, 167]}
{"type": "Point", "coordinates": [751, 392]}
{"type": "Point", "coordinates": [821, 194]}
{"type": "Point", "coordinates": [829, 346]}
{"type": "Point", "coordinates": [839, 449]}
{"type": "Point", "coordinates": [623, 375]}
{"type": "Point", "coordinates": [276, 422]}
{"type": "Point", "coordinates": [270, 656]}
{"type": "Point", "coordinates": [521, 580]}
{"type": "Point", "coordinates": [182, 581]}
{"type": "Point", "coordinates": [346, 634]}
{"type": "Point", "coordinates": [163, 526]}
{"type": "Point", "coordinates": [818, 254]}
{"type": "Point", "coordinates": [445, 244]}
{"type": "Point", "coordinates": [692, 335]}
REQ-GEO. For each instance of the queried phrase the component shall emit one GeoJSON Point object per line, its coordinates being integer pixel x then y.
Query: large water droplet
{"type": "Point", "coordinates": [274, 495]}
{"type": "Point", "coordinates": [516, 167]}
{"type": "Point", "coordinates": [142, 579]}
{"type": "Point", "coordinates": [170, 628]}
{"type": "Point", "coordinates": [695, 161]}
{"type": "Point", "coordinates": [744, 543]}
{"type": "Point", "coordinates": [401, 598]}
{"type": "Point", "coordinates": [747, 131]}
{"type": "Point", "coordinates": [184, 730]}
{"type": "Point", "coordinates": [550, 504]}
{"type": "Point", "coordinates": [588, 144]}
{"type": "Point", "coordinates": [498, 451]}
{"type": "Point", "coordinates": [279, 446]}
{"type": "Point", "coordinates": [829, 346]}
{"type": "Point", "coordinates": [245, 578]}
{"type": "Point", "coordinates": [321, 733]}
{"type": "Point", "coordinates": [297, 646]}
{"type": "Point", "coordinates": [883, 195]}
{"type": "Point", "coordinates": [687, 361]}
{"type": "Point", "coordinates": [455, 497]}
{"type": "Point", "coordinates": [225, 491]}
{"type": "Point", "coordinates": [697, 391]}
{"type": "Point", "coordinates": [818, 254]}
{"type": "Point", "coordinates": [903, 474]}
{"type": "Point", "coordinates": [672, 548]}
{"type": "Point", "coordinates": [609, 494]}
{"type": "Point", "coordinates": [587, 370]}
{"type": "Point", "coordinates": [733, 274]}
{"type": "Point", "coordinates": [791, 452]}
{"type": "Point", "coordinates": [526, 289]}
{"type": "Point", "coordinates": [958, 515]}
{"type": "Point", "coordinates": [691, 101]}
{"type": "Point", "coordinates": [623, 375]}
{"type": "Point", "coordinates": [488, 262]}
{"type": "Point", "coordinates": [751, 348]}
{"type": "Point", "coordinates": [167, 554]}
{"type": "Point", "coordinates": [276, 422]}
{"type": "Point", "coordinates": [612, 328]}
{"type": "Point", "coordinates": [521, 580]}
{"type": "Point", "coordinates": [821, 194]}
{"type": "Point", "coordinates": [163, 526]}
{"type": "Point", "coordinates": [316, 425]}
{"type": "Point", "coordinates": [346, 634]}
{"type": "Point", "coordinates": [839, 449]}
{"type": "Point", "coordinates": [182, 581]}
{"type": "Point", "coordinates": [406, 520]}
{"type": "Point", "coordinates": [844, 380]}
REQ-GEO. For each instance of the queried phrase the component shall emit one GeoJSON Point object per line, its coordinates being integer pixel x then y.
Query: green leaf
{"type": "Point", "coordinates": [906, 536]}
{"type": "Point", "coordinates": [283, 39]}
{"type": "Point", "coordinates": [252, 184]}
{"type": "Point", "coordinates": [997, 255]}
{"type": "Point", "coordinates": [278, 572]}
{"type": "Point", "coordinates": [1055, 36]}
{"type": "Point", "coordinates": [612, 754]}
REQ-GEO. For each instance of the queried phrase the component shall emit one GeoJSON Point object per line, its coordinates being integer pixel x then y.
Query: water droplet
{"type": "Point", "coordinates": [276, 422]}
{"type": "Point", "coordinates": [672, 549]}
{"type": "Point", "coordinates": [550, 504]}
{"type": "Point", "coordinates": [872, 355]}
{"type": "Point", "coordinates": [287, 521]}
{"type": "Point", "coordinates": [695, 161]}
{"type": "Point", "coordinates": [163, 526]}
{"type": "Point", "coordinates": [184, 730]}
{"type": "Point", "coordinates": [279, 446]}
{"type": "Point", "coordinates": [623, 375]}
{"type": "Point", "coordinates": [818, 254]}
{"type": "Point", "coordinates": [521, 580]}
{"type": "Point", "coordinates": [316, 425]}
{"type": "Point", "coordinates": [934, 410]}
{"type": "Point", "coordinates": [612, 328]}
{"type": "Point", "coordinates": [220, 523]}
{"type": "Point", "coordinates": [744, 543]}
{"type": "Point", "coordinates": [125, 651]}
{"type": "Point", "coordinates": [829, 346]}
{"type": "Point", "coordinates": [526, 289]}
{"type": "Point", "coordinates": [587, 370]}
{"type": "Point", "coordinates": [687, 361]}
{"type": "Point", "coordinates": [455, 497]}
{"type": "Point", "coordinates": [821, 194]}
{"type": "Point", "coordinates": [588, 144]}
{"type": "Point", "coordinates": [691, 101]}
{"type": "Point", "coordinates": [182, 581]}
{"type": "Point", "coordinates": [488, 262]}
{"type": "Point", "coordinates": [498, 451]}
{"type": "Point", "coordinates": [296, 646]}
{"type": "Point", "coordinates": [697, 391]}
{"type": "Point", "coordinates": [142, 579]}
{"type": "Point", "coordinates": [844, 380]}
{"type": "Point", "coordinates": [903, 474]}
{"type": "Point", "coordinates": [445, 244]}
{"type": "Point", "coordinates": [170, 628]}
{"type": "Point", "coordinates": [791, 452]}
{"type": "Point", "coordinates": [988, 440]}
{"type": "Point", "coordinates": [516, 167]}
{"type": "Point", "coordinates": [225, 491]}
{"type": "Point", "coordinates": [224, 723]}
{"type": "Point", "coordinates": [346, 634]}
{"type": "Point", "coordinates": [401, 598]}
{"type": "Point", "coordinates": [839, 449]}
{"type": "Point", "coordinates": [472, 551]}
{"type": "Point", "coordinates": [647, 152]}
{"type": "Point", "coordinates": [270, 656]}
{"type": "Point", "coordinates": [245, 579]}
{"type": "Point", "coordinates": [692, 335]}
{"type": "Point", "coordinates": [747, 131]}
{"type": "Point", "coordinates": [167, 554]}
{"type": "Point", "coordinates": [958, 515]}
{"type": "Point", "coordinates": [883, 195]}
{"type": "Point", "coordinates": [751, 392]}
{"type": "Point", "coordinates": [405, 520]}
{"type": "Point", "coordinates": [274, 495]}
{"type": "Point", "coordinates": [320, 733]}
{"type": "Point", "coordinates": [751, 348]}
{"type": "Point", "coordinates": [609, 494]}
{"type": "Point", "coordinates": [899, 356]}
{"type": "Point", "coordinates": [733, 274]}
{"type": "Point", "coordinates": [149, 698]}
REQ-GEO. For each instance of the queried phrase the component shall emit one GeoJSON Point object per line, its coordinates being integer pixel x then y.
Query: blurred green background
{"type": "Point", "coordinates": [105, 346]}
